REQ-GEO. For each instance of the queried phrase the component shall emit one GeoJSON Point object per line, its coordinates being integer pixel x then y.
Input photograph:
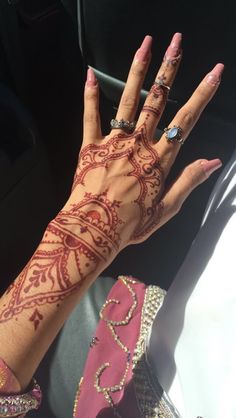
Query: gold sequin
{"type": "Point", "coordinates": [77, 396]}
{"type": "Point", "coordinates": [106, 391]}
{"type": "Point", "coordinates": [3, 378]}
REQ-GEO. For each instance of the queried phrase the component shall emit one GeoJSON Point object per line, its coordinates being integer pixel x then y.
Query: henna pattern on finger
{"type": "Point", "coordinates": [157, 91]}
{"type": "Point", "coordinates": [171, 61]}
{"type": "Point", "coordinates": [151, 109]}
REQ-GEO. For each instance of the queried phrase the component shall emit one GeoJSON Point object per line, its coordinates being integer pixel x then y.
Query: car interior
{"type": "Point", "coordinates": [45, 49]}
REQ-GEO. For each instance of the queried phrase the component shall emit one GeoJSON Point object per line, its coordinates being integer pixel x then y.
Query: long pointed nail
{"type": "Point", "coordinates": [91, 78]}
{"type": "Point", "coordinates": [211, 166]}
{"type": "Point", "coordinates": [174, 48]}
{"type": "Point", "coordinates": [214, 76]}
{"type": "Point", "coordinates": [143, 52]}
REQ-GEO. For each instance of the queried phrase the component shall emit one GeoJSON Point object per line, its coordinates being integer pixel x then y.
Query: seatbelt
{"type": "Point", "coordinates": [31, 11]}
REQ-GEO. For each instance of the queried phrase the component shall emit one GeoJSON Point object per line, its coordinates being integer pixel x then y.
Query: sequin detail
{"type": "Point", "coordinates": [3, 377]}
{"type": "Point", "coordinates": [107, 391]}
{"type": "Point", "coordinates": [151, 400]}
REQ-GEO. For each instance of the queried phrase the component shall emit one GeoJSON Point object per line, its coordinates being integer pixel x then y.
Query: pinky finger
{"type": "Point", "coordinates": [192, 175]}
{"type": "Point", "coordinates": [92, 123]}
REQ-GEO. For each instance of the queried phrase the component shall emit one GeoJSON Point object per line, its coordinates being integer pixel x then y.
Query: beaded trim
{"type": "Point", "coordinates": [106, 391]}
{"type": "Point", "coordinates": [77, 396]}
{"type": "Point", "coordinates": [153, 300]}
{"type": "Point", "coordinates": [151, 400]}
{"type": "Point", "coordinates": [15, 405]}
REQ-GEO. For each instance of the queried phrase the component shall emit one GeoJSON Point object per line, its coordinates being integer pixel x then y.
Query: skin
{"type": "Point", "coordinates": [118, 198]}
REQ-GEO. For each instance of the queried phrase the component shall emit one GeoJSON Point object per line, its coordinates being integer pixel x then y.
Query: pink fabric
{"type": "Point", "coordinates": [92, 404]}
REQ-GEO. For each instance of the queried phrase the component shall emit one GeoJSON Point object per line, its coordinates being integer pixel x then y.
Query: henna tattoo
{"type": "Point", "coordinates": [140, 161]}
{"type": "Point", "coordinates": [151, 109]}
{"type": "Point", "coordinates": [36, 317]}
{"type": "Point", "coordinates": [76, 241]}
{"type": "Point", "coordinates": [157, 91]}
{"type": "Point", "coordinates": [173, 61]}
{"type": "Point", "coordinates": [85, 235]}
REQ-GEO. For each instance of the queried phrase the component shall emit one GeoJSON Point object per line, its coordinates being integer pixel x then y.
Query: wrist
{"type": "Point", "coordinates": [86, 243]}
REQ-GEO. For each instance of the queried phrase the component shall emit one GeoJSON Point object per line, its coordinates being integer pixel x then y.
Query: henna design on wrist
{"type": "Point", "coordinates": [85, 236]}
{"type": "Point", "coordinates": [74, 245]}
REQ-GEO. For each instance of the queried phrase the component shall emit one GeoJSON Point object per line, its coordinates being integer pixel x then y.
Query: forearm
{"type": "Point", "coordinates": [72, 253]}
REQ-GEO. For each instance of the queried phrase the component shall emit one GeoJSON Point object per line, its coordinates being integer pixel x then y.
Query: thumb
{"type": "Point", "coordinates": [192, 175]}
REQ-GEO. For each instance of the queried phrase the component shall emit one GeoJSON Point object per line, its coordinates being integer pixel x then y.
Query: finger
{"type": "Point", "coordinates": [155, 103]}
{"type": "Point", "coordinates": [193, 175]}
{"type": "Point", "coordinates": [188, 115]}
{"type": "Point", "coordinates": [130, 97]}
{"type": "Point", "coordinates": [92, 124]}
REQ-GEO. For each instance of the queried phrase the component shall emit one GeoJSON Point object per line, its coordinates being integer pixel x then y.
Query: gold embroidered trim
{"type": "Point", "coordinates": [3, 377]}
{"type": "Point", "coordinates": [77, 396]}
{"type": "Point", "coordinates": [153, 299]}
{"type": "Point", "coordinates": [151, 400]}
{"type": "Point", "coordinates": [106, 391]}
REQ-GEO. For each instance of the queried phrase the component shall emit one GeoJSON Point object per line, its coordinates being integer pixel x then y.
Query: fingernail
{"type": "Point", "coordinates": [173, 49]}
{"type": "Point", "coordinates": [214, 76]}
{"type": "Point", "coordinates": [211, 166]}
{"type": "Point", "coordinates": [143, 52]}
{"type": "Point", "coordinates": [91, 78]}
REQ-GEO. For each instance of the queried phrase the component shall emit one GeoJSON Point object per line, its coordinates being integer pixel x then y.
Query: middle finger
{"type": "Point", "coordinates": [156, 100]}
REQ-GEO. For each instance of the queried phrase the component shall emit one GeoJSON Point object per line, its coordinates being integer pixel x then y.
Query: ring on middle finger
{"type": "Point", "coordinates": [158, 82]}
{"type": "Point", "coordinates": [126, 125]}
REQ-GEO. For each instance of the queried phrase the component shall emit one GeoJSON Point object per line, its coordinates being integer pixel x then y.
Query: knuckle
{"type": "Point", "coordinates": [194, 175]}
{"type": "Point", "coordinates": [187, 117]}
{"type": "Point", "coordinates": [176, 206]}
{"type": "Point", "coordinates": [91, 117]}
{"type": "Point", "coordinates": [138, 71]}
{"type": "Point", "coordinates": [91, 94]}
{"type": "Point", "coordinates": [201, 94]}
{"type": "Point", "coordinates": [129, 102]}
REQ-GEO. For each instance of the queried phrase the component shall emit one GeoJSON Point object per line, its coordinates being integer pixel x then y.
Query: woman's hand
{"type": "Point", "coordinates": [119, 195]}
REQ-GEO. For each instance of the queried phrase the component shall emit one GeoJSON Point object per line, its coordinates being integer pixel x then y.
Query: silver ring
{"type": "Point", "coordinates": [174, 133]}
{"type": "Point", "coordinates": [123, 124]}
{"type": "Point", "coordinates": [159, 82]}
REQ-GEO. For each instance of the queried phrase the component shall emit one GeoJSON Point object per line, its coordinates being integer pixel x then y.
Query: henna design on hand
{"type": "Point", "coordinates": [93, 226]}
{"type": "Point", "coordinates": [139, 160]}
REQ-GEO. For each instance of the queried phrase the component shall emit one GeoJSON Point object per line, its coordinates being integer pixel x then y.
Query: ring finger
{"type": "Point", "coordinates": [187, 117]}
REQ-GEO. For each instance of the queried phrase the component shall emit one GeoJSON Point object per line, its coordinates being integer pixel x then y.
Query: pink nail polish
{"type": "Point", "coordinates": [174, 48]}
{"type": "Point", "coordinates": [214, 76]}
{"type": "Point", "coordinates": [211, 166]}
{"type": "Point", "coordinates": [91, 78]}
{"type": "Point", "coordinates": [143, 52]}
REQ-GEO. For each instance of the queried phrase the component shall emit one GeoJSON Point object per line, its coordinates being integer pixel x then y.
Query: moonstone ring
{"type": "Point", "coordinates": [174, 133]}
